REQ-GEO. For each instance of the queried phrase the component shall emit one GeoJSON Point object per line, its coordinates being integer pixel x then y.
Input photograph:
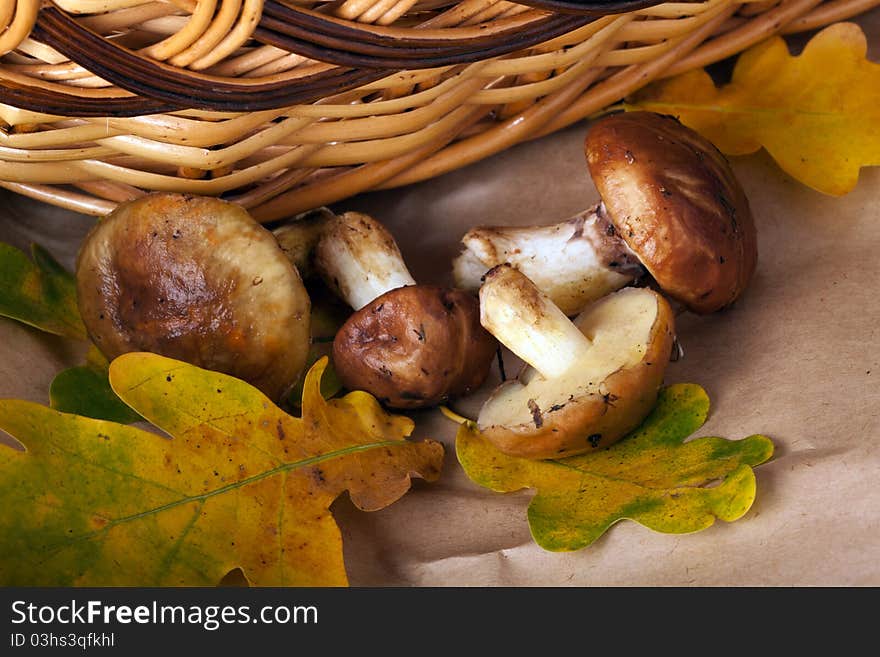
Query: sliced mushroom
{"type": "Point", "coordinates": [670, 206]}
{"type": "Point", "coordinates": [411, 346]}
{"type": "Point", "coordinates": [196, 279]}
{"type": "Point", "coordinates": [587, 382]}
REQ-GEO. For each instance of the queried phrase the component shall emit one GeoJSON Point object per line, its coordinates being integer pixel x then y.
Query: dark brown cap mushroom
{"type": "Point", "coordinates": [670, 206]}
{"type": "Point", "coordinates": [196, 279]}
{"type": "Point", "coordinates": [677, 204]}
{"type": "Point", "coordinates": [411, 346]}
{"type": "Point", "coordinates": [415, 346]}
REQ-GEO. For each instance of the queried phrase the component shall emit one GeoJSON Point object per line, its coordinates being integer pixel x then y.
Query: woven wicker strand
{"type": "Point", "coordinates": [368, 128]}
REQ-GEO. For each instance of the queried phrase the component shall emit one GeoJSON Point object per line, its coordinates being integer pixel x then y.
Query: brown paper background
{"type": "Point", "coordinates": [797, 358]}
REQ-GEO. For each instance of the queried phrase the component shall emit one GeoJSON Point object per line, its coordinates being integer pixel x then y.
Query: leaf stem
{"type": "Point", "coordinates": [449, 414]}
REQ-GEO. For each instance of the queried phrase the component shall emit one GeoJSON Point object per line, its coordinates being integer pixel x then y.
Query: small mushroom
{"type": "Point", "coordinates": [587, 382]}
{"type": "Point", "coordinates": [196, 279]}
{"type": "Point", "coordinates": [411, 346]}
{"type": "Point", "coordinates": [299, 236]}
{"type": "Point", "coordinates": [670, 207]}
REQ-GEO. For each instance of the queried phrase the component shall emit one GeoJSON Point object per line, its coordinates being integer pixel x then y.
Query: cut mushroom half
{"type": "Point", "coordinates": [196, 279]}
{"type": "Point", "coordinates": [587, 382]}
{"type": "Point", "coordinates": [411, 346]}
{"type": "Point", "coordinates": [670, 207]}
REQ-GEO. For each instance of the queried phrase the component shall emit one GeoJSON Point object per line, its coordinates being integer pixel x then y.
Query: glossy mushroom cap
{"type": "Point", "coordinates": [675, 201]}
{"type": "Point", "coordinates": [415, 347]}
{"type": "Point", "coordinates": [196, 279]}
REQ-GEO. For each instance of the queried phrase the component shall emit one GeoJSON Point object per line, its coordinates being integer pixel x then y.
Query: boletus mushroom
{"type": "Point", "coordinates": [587, 382]}
{"type": "Point", "coordinates": [196, 279]}
{"type": "Point", "coordinates": [411, 346]}
{"type": "Point", "coordinates": [299, 236]}
{"type": "Point", "coordinates": [671, 207]}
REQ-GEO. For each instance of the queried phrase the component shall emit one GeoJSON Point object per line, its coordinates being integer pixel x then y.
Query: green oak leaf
{"type": "Point", "coordinates": [653, 476]}
{"type": "Point", "coordinates": [85, 390]}
{"type": "Point", "coordinates": [42, 293]}
{"type": "Point", "coordinates": [39, 292]}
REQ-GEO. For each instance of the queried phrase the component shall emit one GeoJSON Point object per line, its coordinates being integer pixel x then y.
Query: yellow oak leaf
{"type": "Point", "coordinates": [241, 484]}
{"type": "Point", "coordinates": [817, 114]}
{"type": "Point", "coordinates": [654, 476]}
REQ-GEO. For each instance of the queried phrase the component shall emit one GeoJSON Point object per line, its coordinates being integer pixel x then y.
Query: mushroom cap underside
{"type": "Point", "coordinates": [599, 400]}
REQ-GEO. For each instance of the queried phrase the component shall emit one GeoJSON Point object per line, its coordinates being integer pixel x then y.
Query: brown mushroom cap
{"type": "Point", "coordinates": [675, 201]}
{"type": "Point", "coordinates": [415, 346]}
{"type": "Point", "coordinates": [599, 400]}
{"type": "Point", "coordinates": [196, 279]}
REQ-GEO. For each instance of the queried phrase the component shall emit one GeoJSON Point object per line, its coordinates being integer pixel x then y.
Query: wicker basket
{"type": "Point", "coordinates": [285, 105]}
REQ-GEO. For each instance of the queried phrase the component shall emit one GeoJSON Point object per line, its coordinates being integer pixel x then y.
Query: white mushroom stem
{"type": "Point", "coordinates": [527, 322]}
{"type": "Point", "coordinates": [358, 258]}
{"type": "Point", "coordinates": [574, 262]}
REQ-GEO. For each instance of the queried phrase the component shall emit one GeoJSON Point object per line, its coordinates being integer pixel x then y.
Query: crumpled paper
{"type": "Point", "coordinates": [796, 358]}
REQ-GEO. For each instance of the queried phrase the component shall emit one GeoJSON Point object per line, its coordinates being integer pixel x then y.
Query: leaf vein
{"type": "Point", "coordinates": [286, 467]}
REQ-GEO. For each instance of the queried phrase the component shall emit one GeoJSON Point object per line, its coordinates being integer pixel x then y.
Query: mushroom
{"type": "Point", "coordinates": [574, 262]}
{"type": "Point", "coordinates": [409, 345]}
{"type": "Point", "coordinates": [586, 382]}
{"type": "Point", "coordinates": [299, 236]}
{"type": "Point", "coordinates": [196, 279]}
{"type": "Point", "coordinates": [670, 207]}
